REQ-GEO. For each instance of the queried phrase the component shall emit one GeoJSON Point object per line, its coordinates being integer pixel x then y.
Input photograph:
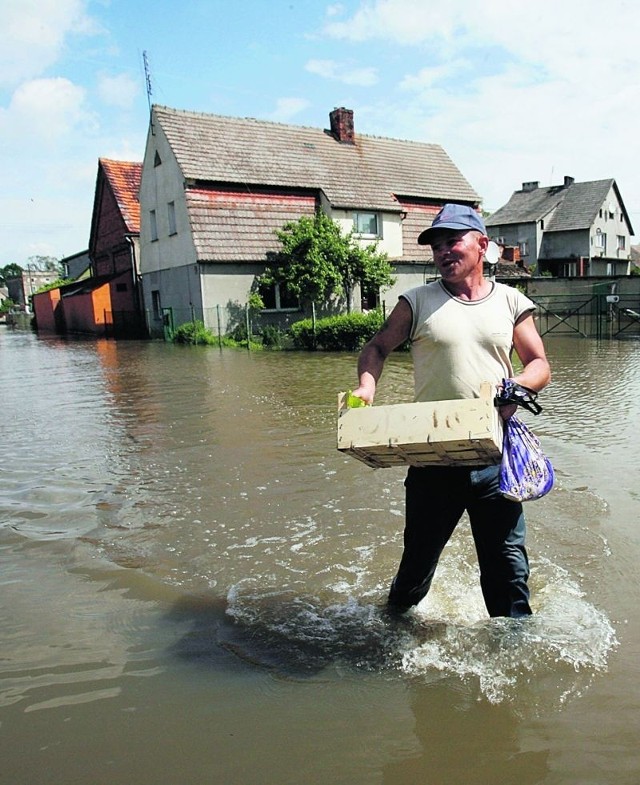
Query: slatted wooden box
{"type": "Point", "coordinates": [446, 433]}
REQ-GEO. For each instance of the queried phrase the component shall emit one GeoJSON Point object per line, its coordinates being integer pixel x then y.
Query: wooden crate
{"type": "Point", "coordinates": [438, 433]}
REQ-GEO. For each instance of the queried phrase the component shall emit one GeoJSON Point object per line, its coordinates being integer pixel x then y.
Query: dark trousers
{"type": "Point", "coordinates": [436, 498]}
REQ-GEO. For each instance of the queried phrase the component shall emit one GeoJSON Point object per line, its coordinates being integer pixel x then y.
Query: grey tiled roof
{"type": "Point", "coordinates": [235, 227]}
{"type": "Point", "coordinates": [367, 174]}
{"type": "Point", "coordinates": [563, 207]}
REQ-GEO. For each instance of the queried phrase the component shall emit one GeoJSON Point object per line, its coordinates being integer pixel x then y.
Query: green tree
{"type": "Point", "coordinates": [9, 271]}
{"type": "Point", "coordinates": [45, 264]}
{"type": "Point", "coordinates": [317, 261]}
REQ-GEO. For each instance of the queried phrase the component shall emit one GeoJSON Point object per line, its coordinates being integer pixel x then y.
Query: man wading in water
{"type": "Point", "coordinates": [462, 329]}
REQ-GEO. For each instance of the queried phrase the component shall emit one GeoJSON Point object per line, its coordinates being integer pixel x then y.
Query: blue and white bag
{"type": "Point", "coordinates": [525, 471]}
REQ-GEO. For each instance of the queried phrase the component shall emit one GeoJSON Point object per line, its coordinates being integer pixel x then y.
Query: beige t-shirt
{"type": "Point", "coordinates": [458, 344]}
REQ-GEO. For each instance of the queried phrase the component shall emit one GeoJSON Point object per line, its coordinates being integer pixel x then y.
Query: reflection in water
{"type": "Point", "coordinates": [461, 737]}
{"type": "Point", "coordinates": [175, 507]}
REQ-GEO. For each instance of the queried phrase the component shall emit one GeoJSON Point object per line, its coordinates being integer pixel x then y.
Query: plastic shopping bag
{"type": "Point", "coordinates": [525, 471]}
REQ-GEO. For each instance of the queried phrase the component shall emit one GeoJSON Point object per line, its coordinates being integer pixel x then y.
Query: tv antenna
{"type": "Point", "coordinates": [147, 80]}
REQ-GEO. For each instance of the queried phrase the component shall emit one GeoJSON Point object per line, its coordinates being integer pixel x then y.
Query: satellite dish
{"type": "Point", "coordinates": [492, 254]}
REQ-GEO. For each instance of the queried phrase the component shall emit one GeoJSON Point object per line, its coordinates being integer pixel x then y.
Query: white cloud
{"type": "Point", "coordinates": [545, 29]}
{"type": "Point", "coordinates": [513, 91]}
{"type": "Point", "coordinates": [287, 108]}
{"type": "Point", "coordinates": [330, 69]}
{"type": "Point", "coordinates": [33, 35]}
{"type": "Point", "coordinates": [120, 90]}
{"type": "Point", "coordinates": [335, 9]}
{"type": "Point", "coordinates": [45, 111]}
{"type": "Point", "coordinates": [427, 78]}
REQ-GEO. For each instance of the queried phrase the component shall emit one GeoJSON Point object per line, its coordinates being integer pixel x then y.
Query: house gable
{"type": "Point", "coordinates": [116, 215]}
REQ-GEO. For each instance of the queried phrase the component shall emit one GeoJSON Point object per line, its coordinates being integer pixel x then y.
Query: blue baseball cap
{"type": "Point", "coordinates": [454, 216]}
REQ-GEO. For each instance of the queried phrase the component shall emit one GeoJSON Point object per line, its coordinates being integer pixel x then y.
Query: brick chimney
{"type": "Point", "coordinates": [342, 125]}
{"type": "Point", "coordinates": [530, 186]}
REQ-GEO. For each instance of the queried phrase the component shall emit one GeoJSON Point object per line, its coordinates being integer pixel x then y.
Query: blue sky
{"type": "Point", "coordinates": [513, 90]}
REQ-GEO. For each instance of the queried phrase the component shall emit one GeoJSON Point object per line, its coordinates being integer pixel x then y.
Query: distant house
{"type": "Point", "coordinates": [21, 287]}
{"type": "Point", "coordinates": [214, 190]}
{"type": "Point", "coordinates": [108, 301]}
{"type": "Point", "coordinates": [76, 266]}
{"type": "Point", "coordinates": [573, 229]}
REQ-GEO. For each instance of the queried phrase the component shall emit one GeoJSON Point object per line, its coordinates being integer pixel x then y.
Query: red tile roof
{"type": "Point", "coordinates": [124, 178]}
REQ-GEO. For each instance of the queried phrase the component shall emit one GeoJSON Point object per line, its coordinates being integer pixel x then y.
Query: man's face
{"type": "Point", "coordinates": [458, 254]}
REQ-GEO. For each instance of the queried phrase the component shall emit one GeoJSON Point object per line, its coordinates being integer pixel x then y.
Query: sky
{"type": "Point", "coordinates": [513, 90]}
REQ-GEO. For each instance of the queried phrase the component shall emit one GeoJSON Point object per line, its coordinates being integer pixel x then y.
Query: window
{"type": "Point", "coordinates": [601, 241]}
{"type": "Point", "coordinates": [366, 223]}
{"type": "Point", "coordinates": [622, 242]}
{"type": "Point", "coordinates": [524, 248]}
{"type": "Point", "coordinates": [276, 298]}
{"type": "Point", "coordinates": [171, 214]}
{"type": "Point", "coordinates": [154, 225]}
{"type": "Point", "coordinates": [370, 299]}
{"type": "Point", "coordinates": [155, 304]}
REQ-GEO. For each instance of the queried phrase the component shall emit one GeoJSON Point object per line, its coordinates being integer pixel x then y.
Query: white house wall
{"type": "Point", "coordinates": [167, 264]}
{"type": "Point", "coordinates": [612, 227]}
{"type": "Point", "coordinates": [225, 292]}
{"type": "Point", "coordinates": [407, 276]}
{"type": "Point", "coordinates": [390, 240]}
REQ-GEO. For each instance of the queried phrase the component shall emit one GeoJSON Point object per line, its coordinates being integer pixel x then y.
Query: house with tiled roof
{"type": "Point", "coordinates": [109, 300]}
{"type": "Point", "coordinates": [573, 229]}
{"type": "Point", "coordinates": [215, 189]}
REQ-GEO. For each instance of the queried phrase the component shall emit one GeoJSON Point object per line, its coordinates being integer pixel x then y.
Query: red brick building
{"type": "Point", "coordinates": [108, 302]}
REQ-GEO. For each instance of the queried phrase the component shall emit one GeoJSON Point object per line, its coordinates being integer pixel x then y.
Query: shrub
{"type": "Point", "coordinates": [194, 333]}
{"type": "Point", "coordinates": [348, 332]}
{"type": "Point", "coordinates": [273, 336]}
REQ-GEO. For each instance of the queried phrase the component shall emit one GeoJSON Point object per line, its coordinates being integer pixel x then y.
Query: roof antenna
{"type": "Point", "coordinates": [147, 79]}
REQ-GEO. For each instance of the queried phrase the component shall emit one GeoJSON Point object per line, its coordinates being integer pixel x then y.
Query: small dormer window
{"type": "Point", "coordinates": [366, 224]}
{"type": "Point", "coordinates": [153, 225]}
{"type": "Point", "coordinates": [157, 160]}
{"type": "Point", "coordinates": [171, 217]}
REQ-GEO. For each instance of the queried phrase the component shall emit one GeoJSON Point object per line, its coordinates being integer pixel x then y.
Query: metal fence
{"type": "Point", "coordinates": [235, 321]}
{"type": "Point", "coordinates": [586, 315]}
{"type": "Point", "coordinates": [589, 315]}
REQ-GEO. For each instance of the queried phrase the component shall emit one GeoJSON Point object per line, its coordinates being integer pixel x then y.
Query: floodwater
{"type": "Point", "coordinates": [193, 581]}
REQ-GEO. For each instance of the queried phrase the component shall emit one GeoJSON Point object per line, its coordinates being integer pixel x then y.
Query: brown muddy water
{"type": "Point", "coordinates": [192, 580]}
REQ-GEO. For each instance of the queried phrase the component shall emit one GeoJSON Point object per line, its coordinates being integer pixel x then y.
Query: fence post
{"type": "Point", "coordinates": [313, 323]}
{"type": "Point", "coordinates": [219, 327]}
{"type": "Point", "coordinates": [248, 326]}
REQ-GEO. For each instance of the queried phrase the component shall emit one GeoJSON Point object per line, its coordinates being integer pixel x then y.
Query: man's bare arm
{"type": "Point", "coordinates": [393, 333]}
